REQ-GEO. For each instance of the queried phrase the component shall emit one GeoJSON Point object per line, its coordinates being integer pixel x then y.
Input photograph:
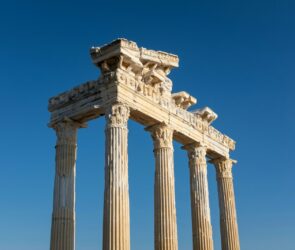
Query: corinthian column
{"type": "Point", "coordinates": [116, 224]}
{"type": "Point", "coordinates": [164, 197]}
{"type": "Point", "coordinates": [63, 216]}
{"type": "Point", "coordinates": [228, 218]}
{"type": "Point", "coordinates": [201, 222]}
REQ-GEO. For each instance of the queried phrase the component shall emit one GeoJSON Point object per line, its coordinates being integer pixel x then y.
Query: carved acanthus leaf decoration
{"type": "Point", "coordinates": [117, 115]}
{"type": "Point", "coordinates": [162, 136]}
{"type": "Point", "coordinates": [197, 156]}
{"type": "Point", "coordinates": [223, 167]}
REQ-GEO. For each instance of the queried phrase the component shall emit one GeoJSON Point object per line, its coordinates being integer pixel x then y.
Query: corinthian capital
{"type": "Point", "coordinates": [196, 153]}
{"type": "Point", "coordinates": [117, 115]}
{"type": "Point", "coordinates": [66, 131]}
{"type": "Point", "coordinates": [224, 167]}
{"type": "Point", "coordinates": [162, 135]}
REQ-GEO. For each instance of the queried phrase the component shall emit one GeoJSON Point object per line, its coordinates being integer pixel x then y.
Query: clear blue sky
{"type": "Point", "coordinates": [237, 57]}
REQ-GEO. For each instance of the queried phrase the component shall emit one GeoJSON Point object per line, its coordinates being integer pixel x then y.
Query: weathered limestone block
{"type": "Point", "coordinates": [116, 219]}
{"type": "Point", "coordinates": [207, 114]}
{"type": "Point", "coordinates": [183, 99]}
{"type": "Point", "coordinates": [164, 194]}
{"type": "Point", "coordinates": [228, 218]}
{"type": "Point", "coordinates": [148, 66]}
{"type": "Point", "coordinates": [63, 216]}
{"type": "Point", "coordinates": [201, 221]}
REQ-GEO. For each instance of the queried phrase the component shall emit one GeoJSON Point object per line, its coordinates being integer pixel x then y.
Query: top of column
{"type": "Point", "coordinates": [66, 131]}
{"type": "Point", "coordinates": [117, 115]}
{"type": "Point", "coordinates": [223, 167]}
{"type": "Point", "coordinates": [162, 135]}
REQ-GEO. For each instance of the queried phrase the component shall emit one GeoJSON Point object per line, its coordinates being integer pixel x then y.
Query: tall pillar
{"type": "Point", "coordinates": [116, 224]}
{"type": "Point", "coordinates": [228, 218]}
{"type": "Point", "coordinates": [63, 216]}
{"type": "Point", "coordinates": [201, 221]}
{"type": "Point", "coordinates": [164, 194]}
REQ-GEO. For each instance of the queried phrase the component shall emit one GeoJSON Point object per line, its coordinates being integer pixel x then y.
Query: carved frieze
{"type": "Point", "coordinates": [195, 119]}
{"type": "Point", "coordinates": [144, 72]}
{"type": "Point", "coordinates": [152, 67]}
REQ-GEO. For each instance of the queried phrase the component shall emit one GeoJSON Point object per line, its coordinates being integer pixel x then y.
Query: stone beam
{"type": "Point", "coordinates": [139, 77]}
{"type": "Point", "coordinates": [89, 100]}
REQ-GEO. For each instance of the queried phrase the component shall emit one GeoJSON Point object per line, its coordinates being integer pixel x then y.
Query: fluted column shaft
{"type": "Point", "coordinates": [228, 218]}
{"type": "Point", "coordinates": [200, 209]}
{"type": "Point", "coordinates": [63, 216]}
{"type": "Point", "coordinates": [165, 224]}
{"type": "Point", "coordinates": [116, 224]}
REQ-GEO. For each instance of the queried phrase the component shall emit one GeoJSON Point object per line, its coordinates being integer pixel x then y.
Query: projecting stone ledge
{"type": "Point", "coordinates": [135, 54]}
{"type": "Point", "coordinates": [149, 65]}
{"type": "Point", "coordinates": [183, 99]}
{"type": "Point", "coordinates": [206, 114]}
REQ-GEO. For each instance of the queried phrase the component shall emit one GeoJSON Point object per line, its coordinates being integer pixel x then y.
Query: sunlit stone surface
{"type": "Point", "coordinates": [134, 84]}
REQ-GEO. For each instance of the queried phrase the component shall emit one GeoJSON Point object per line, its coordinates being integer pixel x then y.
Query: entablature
{"type": "Point", "coordinates": [138, 77]}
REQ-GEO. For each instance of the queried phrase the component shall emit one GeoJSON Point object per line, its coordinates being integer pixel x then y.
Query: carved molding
{"type": "Point", "coordinates": [117, 115]}
{"type": "Point", "coordinates": [183, 99]}
{"type": "Point", "coordinates": [207, 114]}
{"type": "Point", "coordinates": [144, 72]}
{"type": "Point", "coordinates": [152, 67]}
{"type": "Point", "coordinates": [154, 94]}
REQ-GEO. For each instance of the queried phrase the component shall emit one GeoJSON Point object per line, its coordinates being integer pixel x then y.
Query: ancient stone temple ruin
{"type": "Point", "coordinates": [134, 84]}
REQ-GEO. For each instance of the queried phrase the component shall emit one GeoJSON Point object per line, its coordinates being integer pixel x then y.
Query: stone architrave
{"type": "Point", "coordinates": [165, 225]}
{"type": "Point", "coordinates": [63, 216]}
{"type": "Point", "coordinates": [200, 209]}
{"type": "Point", "coordinates": [228, 217]}
{"type": "Point", "coordinates": [116, 220]}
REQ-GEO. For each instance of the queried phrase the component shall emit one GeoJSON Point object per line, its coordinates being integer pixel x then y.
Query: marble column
{"type": "Point", "coordinates": [63, 216]}
{"type": "Point", "coordinates": [228, 218]}
{"type": "Point", "coordinates": [165, 224]}
{"type": "Point", "coordinates": [201, 221]}
{"type": "Point", "coordinates": [116, 224]}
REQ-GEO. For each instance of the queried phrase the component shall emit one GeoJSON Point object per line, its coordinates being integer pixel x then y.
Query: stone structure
{"type": "Point", "coordinates": [134, 84]}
